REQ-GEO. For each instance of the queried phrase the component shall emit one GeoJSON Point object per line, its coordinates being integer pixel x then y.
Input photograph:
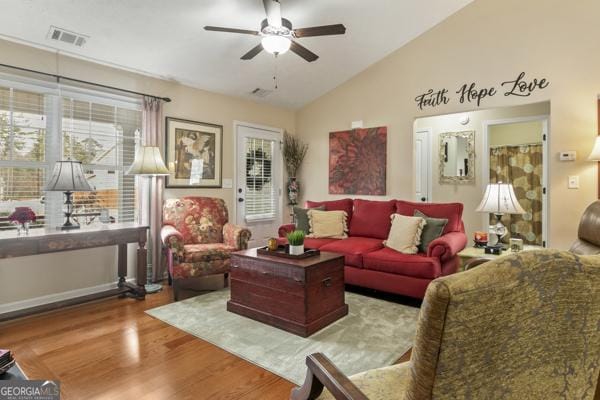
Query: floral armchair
{"type": "Point", "coordinates": [199, 239]}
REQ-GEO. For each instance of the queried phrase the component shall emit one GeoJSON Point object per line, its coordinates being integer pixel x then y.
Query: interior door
{"type": "Point", "coordinates": [258, 182]}
{"type": "Point", "coordinates": [423, 169]}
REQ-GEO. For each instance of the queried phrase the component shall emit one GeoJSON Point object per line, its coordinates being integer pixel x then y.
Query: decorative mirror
{"type": "Point", "coordinates": [457, 157]}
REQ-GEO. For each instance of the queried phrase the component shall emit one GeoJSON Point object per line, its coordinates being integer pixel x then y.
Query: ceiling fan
{"type": "Point", "coordinates": [277, 34]}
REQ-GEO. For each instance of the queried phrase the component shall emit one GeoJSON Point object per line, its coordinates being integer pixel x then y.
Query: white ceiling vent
{"type": "Point", "coordinates": [65, 36]}
{"type": "Point", "coordinates": [258, 92]}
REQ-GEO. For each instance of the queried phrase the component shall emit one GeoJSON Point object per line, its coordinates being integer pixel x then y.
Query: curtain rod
{"type": "Point", "coordinates": [59, 77]}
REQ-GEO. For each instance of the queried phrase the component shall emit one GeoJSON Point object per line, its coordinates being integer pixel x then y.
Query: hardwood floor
{"type": "Point", "coordinates": [111, 349]}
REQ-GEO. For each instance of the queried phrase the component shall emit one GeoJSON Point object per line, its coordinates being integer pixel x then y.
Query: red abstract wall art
{"type": "Point", "coordinates": [357, 161]}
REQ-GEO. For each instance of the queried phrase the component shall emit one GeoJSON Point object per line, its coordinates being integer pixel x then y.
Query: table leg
{"type": "Point", "coordinates": [122, 263]}
{"type": "Point", "coordinates": [141, 270]}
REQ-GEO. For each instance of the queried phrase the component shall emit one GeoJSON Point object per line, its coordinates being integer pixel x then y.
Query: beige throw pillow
{"type": "Point", "coordinates": [405, 234]}
{"type": "Point", "coordinates": [327, 224]}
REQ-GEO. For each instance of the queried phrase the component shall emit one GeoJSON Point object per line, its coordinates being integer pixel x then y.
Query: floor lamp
{"type": "Point", "coordinates": [149, 163]}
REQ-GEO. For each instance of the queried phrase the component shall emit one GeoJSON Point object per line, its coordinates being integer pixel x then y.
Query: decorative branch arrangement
{"type": "Point", "coordinates": [294, 151]}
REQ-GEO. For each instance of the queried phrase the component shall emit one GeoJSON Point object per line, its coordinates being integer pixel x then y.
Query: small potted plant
{"type": "Point", "coordinates": [296, 242]}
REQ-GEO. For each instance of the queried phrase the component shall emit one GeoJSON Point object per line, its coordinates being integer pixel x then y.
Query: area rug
{"type": "Point", "coordinates": [375, 333]}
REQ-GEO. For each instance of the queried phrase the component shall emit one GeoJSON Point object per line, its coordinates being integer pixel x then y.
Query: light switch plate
{"type": "Point", "coordinates": [227, 183]}
{"type": "Point", "coordinates": [574, 182]}
{"type": "Point", "coordinates": [570, 155]}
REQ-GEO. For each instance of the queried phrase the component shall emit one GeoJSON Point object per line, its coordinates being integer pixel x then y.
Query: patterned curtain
{"type": "Point", "coordinates": [523, 167]}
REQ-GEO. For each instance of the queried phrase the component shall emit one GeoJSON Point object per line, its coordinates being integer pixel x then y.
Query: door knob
{"type": "Point", "coordinates": [240, 199]}
{"type": "Point", "coordinates": [423, 198]}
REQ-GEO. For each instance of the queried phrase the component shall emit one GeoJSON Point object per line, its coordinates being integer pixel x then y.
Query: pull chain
{"type": "Point", "coordinates": [275, 73]}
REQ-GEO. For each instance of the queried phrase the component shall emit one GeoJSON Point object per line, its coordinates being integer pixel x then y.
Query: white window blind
{"type": "Point", "coordinates": [37, 128]}
{"type": "Point", "coordinates": [261, 198]}
{"type": "Point", "coordinates": [23, 163]}
{"type": "Point", "coordinates": [103, 138]}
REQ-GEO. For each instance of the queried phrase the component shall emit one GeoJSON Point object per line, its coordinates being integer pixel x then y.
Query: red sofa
{"type": "Point", "coordinates": [370, 264]}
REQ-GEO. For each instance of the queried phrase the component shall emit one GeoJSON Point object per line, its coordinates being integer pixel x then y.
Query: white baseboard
{"type": "Point", "coordinates": [51, 298]}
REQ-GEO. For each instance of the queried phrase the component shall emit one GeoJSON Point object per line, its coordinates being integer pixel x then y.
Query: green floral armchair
{"type": "Point", "coordinates": [198, 238]}
{"type": "Point", "coordinates": [523, 327]}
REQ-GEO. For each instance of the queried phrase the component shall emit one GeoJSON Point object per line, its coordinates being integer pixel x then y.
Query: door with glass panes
{"type": "Point", "coordinates": [258, 186]}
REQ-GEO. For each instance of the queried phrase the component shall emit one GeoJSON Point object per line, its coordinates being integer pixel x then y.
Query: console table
{"type": "Point", "coordinates": [51, 240]}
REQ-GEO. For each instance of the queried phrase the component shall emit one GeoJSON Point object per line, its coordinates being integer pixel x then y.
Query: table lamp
{"type": "Point", "coordinates": [499, 199]}
{"type": "Point", "coordinates": [148, 162]}
{"type": "Point", "coordinates": [68, 177]}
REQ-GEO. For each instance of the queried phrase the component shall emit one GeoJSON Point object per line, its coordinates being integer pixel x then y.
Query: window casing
{"type": "Point", "coordinates": [41, 125]}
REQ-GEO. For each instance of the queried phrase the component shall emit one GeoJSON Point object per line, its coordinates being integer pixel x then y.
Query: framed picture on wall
{"type": "Point", "coordinates": [194, 154]}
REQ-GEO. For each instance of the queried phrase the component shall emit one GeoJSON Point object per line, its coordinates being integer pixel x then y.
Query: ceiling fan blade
{"type": "Point", "coordinates": [232, 30]}
{"type": "Point", "coordinates": [252, 53]}
{"type": "Point", "coordinates": [273, 11]}
{"type": "Point", "coordinates": [303, 52]}
{"type": "Point", "coordinates": [337, 29]}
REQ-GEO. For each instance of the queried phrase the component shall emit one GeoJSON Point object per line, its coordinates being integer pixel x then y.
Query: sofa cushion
{"type": "Point", "coordinates": [405, 234]}
{"type": "Point", "coordinates": [371, 218]}
{"type": "Point", "coordinates": [334, 205]}
{"type": "Point", "coordinates": [301, 217]}
{"type": "Point", "coordinates": [451, 211]}
{"type": "Point", "coordinates": [415, 265]}
{"type": "Point", "coordinates": [353, 249]}
{"type": "Point", "coordinates": [206, 252]}
{"type": "Point", "coordinates": [432, 230]}
{"type": "Point", "coordinates": [310, 243]}
{"type": "Point", "coordinates": [327, 224]}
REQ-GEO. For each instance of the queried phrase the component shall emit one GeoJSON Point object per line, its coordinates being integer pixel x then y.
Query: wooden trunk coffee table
{"type": "Point", "coordinates": [299, 296]}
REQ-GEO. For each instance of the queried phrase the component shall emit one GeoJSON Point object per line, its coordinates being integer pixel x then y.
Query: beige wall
{"type": "Point", "coordinates": [487, 42]}
{"type": "Point", "coordinates": [28, 277]}
{"type": "Point", "coordinates": [515, 134]}
{"type": "Point", "coordinates": [470, 193]}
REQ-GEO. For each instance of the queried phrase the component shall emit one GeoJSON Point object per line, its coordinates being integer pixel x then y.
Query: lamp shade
{"type": "Point", "coordinates": [595, 154]}
{"type": "Point", "coordinates": [68, 176]}
{"type": "Point", "coordinates": [148, 161]}
{"type": "Point", "coordinates": [500, 198]}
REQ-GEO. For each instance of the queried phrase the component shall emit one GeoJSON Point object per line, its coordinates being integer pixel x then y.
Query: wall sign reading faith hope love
{"type": "Point", "coordinates": [471, 93]}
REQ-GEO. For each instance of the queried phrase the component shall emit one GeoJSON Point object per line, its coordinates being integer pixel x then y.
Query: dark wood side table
{"type": "Point", "coordinates": [51, 240]}
{"type": "Point", "coordinates": [299, 296]}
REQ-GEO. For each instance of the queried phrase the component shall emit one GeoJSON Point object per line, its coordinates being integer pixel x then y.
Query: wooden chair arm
{"type": "Point", "coordinates": [474, 262]}
{"type": "Point", "coordinates": [322, 372]}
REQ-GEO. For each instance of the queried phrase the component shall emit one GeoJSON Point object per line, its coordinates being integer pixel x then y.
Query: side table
{"type": "Point", "coordinates": [470, 253]}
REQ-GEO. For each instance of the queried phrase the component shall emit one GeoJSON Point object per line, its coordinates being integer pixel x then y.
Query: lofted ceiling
{"type": "Point", "coordinates": [166, 39]}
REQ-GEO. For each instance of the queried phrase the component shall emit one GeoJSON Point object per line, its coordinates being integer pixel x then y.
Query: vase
{"type": "Point", "coordinates": [296, 250]}
{"type": "Point", "coordinates": [22, 228]}
{"type": "Point", "coordinates": [293, 188]}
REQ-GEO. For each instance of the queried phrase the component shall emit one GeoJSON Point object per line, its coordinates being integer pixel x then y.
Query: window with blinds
{"type": "Point", "coordinates": [261, 198]}
{"type": "Point", "coordinates": [38, 129]}
{"type": "Point", "coordinates": [103, 138]}
{"type": "Point", "coordinates": [23, 164]}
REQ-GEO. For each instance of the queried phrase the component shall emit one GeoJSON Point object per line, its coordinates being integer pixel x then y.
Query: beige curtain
{"type": "Point", "coordinates": [151, 209]}
{"type": "Point", "coordinates": [523, 167]}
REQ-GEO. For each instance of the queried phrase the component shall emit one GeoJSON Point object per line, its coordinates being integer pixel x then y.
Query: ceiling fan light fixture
{"type": "Point", "coordinates": [276, 44]}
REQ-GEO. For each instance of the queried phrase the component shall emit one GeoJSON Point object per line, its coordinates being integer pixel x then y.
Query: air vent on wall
{"type": "Point", "coordinates": [258, 92]}
{"type": "Point", "coordinates": [65, 36]}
